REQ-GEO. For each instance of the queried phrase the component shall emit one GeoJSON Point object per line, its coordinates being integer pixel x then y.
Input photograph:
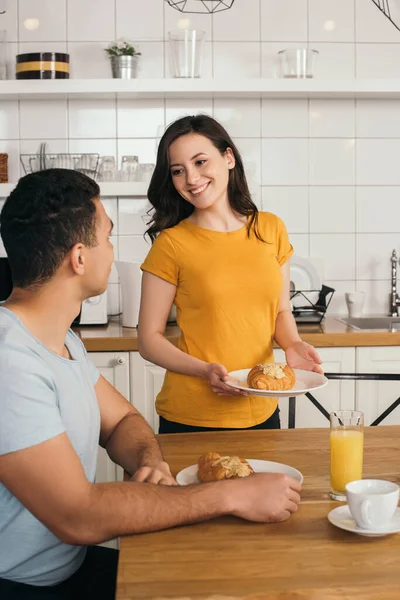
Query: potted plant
{"type": "Point", "coordinates": [124, 59]}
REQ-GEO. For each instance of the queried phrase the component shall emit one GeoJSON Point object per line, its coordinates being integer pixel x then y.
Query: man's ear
{"type": "Point", "coordinates": [77, 259]}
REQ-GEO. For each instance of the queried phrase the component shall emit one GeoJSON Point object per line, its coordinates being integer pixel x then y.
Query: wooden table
{"type": "Point", "coordinates": [303, 558]}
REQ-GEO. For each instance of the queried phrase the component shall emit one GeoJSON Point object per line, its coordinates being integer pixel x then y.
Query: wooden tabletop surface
{"type": "Point", "coordinates": [304, 558]}
{"type": "Point", "coordinates": [330, 333]}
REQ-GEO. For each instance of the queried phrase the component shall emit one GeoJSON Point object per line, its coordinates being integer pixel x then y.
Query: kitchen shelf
{"type": "Point", "coordinates": [117, 188]}
{"type": "Point", "coordinates": [196, 88]}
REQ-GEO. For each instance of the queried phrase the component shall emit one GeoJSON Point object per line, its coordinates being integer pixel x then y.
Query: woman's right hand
{"type": "Point", "coordinates": [217, 375]}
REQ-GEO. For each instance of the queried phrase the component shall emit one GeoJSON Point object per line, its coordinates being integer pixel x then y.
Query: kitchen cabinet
{"type": "Point", "coordinates": [146, 382]}
{"type": "Point", "coordinates": [114, 366]}
{"type": "Point", "coordinates": [374, 397]}
{"type": "Point", "coordinates": [336, 395]}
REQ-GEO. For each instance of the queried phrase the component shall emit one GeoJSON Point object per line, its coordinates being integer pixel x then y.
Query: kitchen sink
{"type": "Point", "coordinates": [375, 323]}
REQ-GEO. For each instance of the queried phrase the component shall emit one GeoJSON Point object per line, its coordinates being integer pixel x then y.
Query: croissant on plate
{"type": "Point", "coordinates": [271, 376]}
{"type": "Point", "coordinates": [214, 467]}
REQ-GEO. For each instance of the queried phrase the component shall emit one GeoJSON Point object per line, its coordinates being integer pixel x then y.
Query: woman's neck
{"type": "Point", "coordinates": [218, 218]}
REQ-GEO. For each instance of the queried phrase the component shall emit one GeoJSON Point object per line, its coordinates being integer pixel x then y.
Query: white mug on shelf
{"type": "Point", "coordinates": [355, 303]}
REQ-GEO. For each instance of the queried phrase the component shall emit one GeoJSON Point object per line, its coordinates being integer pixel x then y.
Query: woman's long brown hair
{"type": "Point", "coordinates": [169, 208]}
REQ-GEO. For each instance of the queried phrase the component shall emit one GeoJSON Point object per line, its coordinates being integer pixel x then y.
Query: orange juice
{"type": "Point", "coordinates": [346, 457]}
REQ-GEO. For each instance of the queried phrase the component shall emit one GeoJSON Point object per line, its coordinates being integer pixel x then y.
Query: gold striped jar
{"type": "Point", "coordinates": [42, 65]}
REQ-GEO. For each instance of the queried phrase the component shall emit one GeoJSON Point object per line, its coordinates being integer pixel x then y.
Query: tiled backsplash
{"type": "Point", "coordinates": [329, 168]}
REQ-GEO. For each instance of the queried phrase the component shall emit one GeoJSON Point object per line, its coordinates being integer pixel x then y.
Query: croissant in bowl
{"type": "Point", "coordinates": [214, 467]}
{"type": "Point", "coordinates": [271, 376]}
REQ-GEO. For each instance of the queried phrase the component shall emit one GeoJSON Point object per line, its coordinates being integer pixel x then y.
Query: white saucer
{"type": "Point", "coordinates": [341, 517]}
{"type": "Point", "coordinates": [188, 476]}
{"type": "Point", "coordinates": [306, 381]}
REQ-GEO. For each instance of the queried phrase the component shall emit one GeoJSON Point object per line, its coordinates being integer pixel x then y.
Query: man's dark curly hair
{"type": "Point", "coordinates": [43, 218]}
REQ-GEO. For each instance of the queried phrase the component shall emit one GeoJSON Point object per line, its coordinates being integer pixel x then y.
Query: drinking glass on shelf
{"type": "Point", "coordinates": [144, 172]}
{"type": "Point", "coordinates": [298, 63]}
{"type": "Point", "coordinates": [64, 160]}
{"type": "Point", "coordinates": [347, 447]}
{"type": "Point", "coordinates": [186, 51]}
{"type": "Point", "coordinates": [107, 168]}
{"type": "Point", "coordinates": [129, 165]}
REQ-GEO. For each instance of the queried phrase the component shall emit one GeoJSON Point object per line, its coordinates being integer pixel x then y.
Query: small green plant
{"type": "Point", "coordinates": [121, 48]}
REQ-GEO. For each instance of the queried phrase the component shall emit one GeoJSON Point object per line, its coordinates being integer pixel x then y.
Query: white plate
{"type": "Point", "coordinates": [304, 274]}
{"type": "Point", "coordinates": [341, 517]}
{"type": "Point", "coordinates": [188, 476]}
{"type": "Point", "coordinates": [306, 381]}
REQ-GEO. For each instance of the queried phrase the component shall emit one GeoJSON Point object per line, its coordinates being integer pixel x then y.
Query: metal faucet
{"type": "Point", "coordinates": [394, 297]}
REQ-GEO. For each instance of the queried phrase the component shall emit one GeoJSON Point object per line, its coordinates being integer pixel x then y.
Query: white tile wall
{"type": "Point", "coordinates": [332, 118]}
{"type": "Point", "coordinates": [284, 118]}
{"type": "Point", "coordinates": [277, 25]}
{"type": "Point", "coordinates": [240, 24]}
{"type": "Point", "coordinates": [331, 20]}
{"type": "Point", "coordinates": [291, 204]}
{"type": "Point", "coordinates": [285, 161]}
{"type": "Point", "coordinates": [134, 22]}
{"type": "Point", "coordinates": [328, 168]}
{"type": "Point", "coordinates": [43, 119]}
{"type": "Point", "coordinates": [332, 209]}
{"type": "Point", "coordinates": [90, 20]}
{"type": "Point", "coordinates": [332, 161]}
{"type": "Point", "coordinates": [240, 117]}
{"type": "Point", "coordinates": [51, 21]}
{"type": "Point", "coordinates": [142, 118]}
{"type": "Point", "coordinates": [237, 59]}
{"type": "Point", "coordinates": [378, 119]}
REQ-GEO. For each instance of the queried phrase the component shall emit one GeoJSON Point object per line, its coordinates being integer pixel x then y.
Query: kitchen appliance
{"type": "Point", "coordinates": [93, 310]}
{"type": "Point", "coordinates": [5, 279]}
{"type": "Point", "coordinates": [130, 276]}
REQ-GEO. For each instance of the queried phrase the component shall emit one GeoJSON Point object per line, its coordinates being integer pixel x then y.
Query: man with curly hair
{"type": "Point", "coordinates": [56, 408]}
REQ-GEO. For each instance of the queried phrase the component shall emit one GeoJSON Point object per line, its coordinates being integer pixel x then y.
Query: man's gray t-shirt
{"type": "Point", "coordinates": [42, 395]}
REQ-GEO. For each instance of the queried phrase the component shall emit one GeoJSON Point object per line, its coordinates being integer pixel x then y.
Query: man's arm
{"type": "Point", "coordinates": [127, 437]}
{"type": "Point", "coordinates": [49, 480]}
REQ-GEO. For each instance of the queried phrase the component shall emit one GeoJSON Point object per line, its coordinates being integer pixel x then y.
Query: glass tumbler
{"type": "Point", "coordinates": [129, 165]}
{"type": "Point", "coordinates": [186, 51]}
{"type": "Point", "coordinates": [144, 172]}
{"type": "Point", "coordinates": [347, 449]}
{"type": "Point", "coordinates": [107, 168]}
{"type": "Point", "coordinates": [298, 63]}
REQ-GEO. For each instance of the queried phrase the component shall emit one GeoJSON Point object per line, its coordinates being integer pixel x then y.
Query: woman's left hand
{"type": "Point", "coordinates": [301, 355]}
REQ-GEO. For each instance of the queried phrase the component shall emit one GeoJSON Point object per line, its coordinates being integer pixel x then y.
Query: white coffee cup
{"type": "Point", "coordinates": [355, 303]}
{"type": "Point", "coordinates": [372, 502]}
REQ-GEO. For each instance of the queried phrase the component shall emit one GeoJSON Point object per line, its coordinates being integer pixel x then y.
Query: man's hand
{"type": "Point", "coordinates": [159, 473]}
{"type": "Point", "coordinates": [264, 497]}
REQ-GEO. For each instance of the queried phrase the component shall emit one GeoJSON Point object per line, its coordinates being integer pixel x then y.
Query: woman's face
{"type": "Point", "coordinates": [199, 171]}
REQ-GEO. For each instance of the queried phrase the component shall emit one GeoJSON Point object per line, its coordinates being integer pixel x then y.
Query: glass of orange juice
{"type": "Point", "coordinates": [347, 448]}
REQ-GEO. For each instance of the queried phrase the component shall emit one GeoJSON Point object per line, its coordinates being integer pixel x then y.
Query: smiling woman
{"type": "Point", "coordinates": [225, 267]}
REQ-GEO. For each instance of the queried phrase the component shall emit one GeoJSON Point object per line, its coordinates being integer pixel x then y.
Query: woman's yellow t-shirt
{"type": "Point", "coordinates": [228, 288]}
